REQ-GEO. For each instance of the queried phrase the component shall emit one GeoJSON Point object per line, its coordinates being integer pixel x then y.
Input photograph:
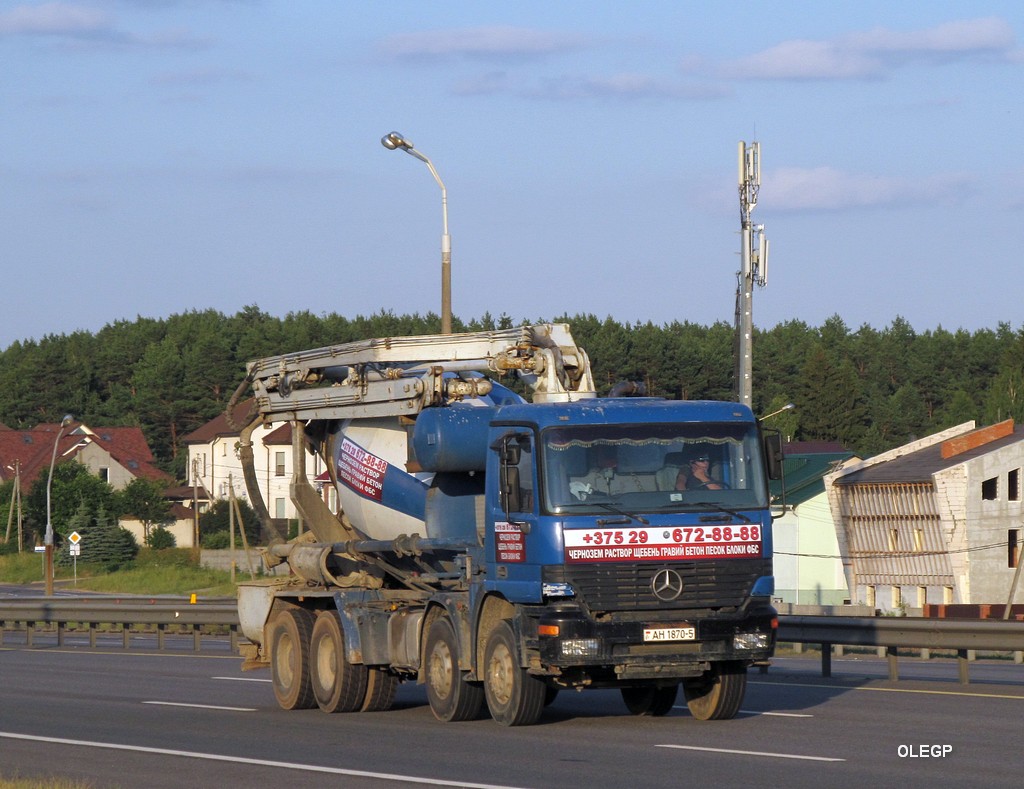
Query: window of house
{"type": "Point", "coordinates": [870, 594]}
{"type": "Point", "coordinates": [947, 595]}
{"type": "Point", "coordinates": [1012, 547]}
{"type": "Point", "coordinates": [918, 539]}
{"type": "Point", "coordinates": [1013, 485]}
{"type": "Point", "coordinates": [990, 489]}
{"type": "Point", "coordinates": [897, 596]}
{"type": "Point", "coordinates": [279, 508]}
{"type": "Point", "coordinates": [279, 464]}
{"type": "Point", "coordinates": [894, 539]}
{"type": "Point", "coordinates": [922, 596]}
{"type": "Point", "coordinates": [105, 473]}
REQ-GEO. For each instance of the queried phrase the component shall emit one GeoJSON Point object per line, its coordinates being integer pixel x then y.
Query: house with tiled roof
{"type": "Point", "coordinates": [807, 565]}
{"type": "Point", "coordinates": [213, 461]}
{"type": "Point", "coordinates": [117, 455]}
{"type": "Point", "coordinates": [936, 521]}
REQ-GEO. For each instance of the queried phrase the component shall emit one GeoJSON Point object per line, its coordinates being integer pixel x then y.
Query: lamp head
{"type": "Point", "coordinates": [394, 141]}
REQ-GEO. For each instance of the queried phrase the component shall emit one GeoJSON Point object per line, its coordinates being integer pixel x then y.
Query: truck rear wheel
{"type": "Point", "coordinates": [338, 686]}
{"type": "Point", "coordinates": [514, 697]}
{"type": "Point", "coordinates": [451, 699]}
{"type": "Point", "coordinates": [380, 690]}
{"type": "Point", "coordinates": [650, 699]}
{"type": "Point", "coordinates": [718, 694]}
{"type": "Point", "coordinates": [290, 632]}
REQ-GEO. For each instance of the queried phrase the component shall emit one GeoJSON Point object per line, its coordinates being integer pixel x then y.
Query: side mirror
{"type": "Point", "coordinates": [773, 458]}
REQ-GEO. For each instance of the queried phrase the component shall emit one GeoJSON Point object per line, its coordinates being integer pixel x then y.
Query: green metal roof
{"type": "Point", "coordinates": [804, 475]}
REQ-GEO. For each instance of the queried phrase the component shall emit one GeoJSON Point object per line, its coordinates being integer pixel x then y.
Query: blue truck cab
{"type": "Point", "coordinates": [633, 536]}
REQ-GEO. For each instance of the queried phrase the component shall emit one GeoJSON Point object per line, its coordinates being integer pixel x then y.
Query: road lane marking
{"type": "Point", "coordinates": [243, 679]}
{"type": "Point", "coordinates": [201, 706]}
{"type": "Point", "coordinates": [778, 714]}
{"type": "Point", "coordinates": [759, 712]}
{"type": "Point", "coordinates": [754, 753]}
{"type": "Point", "coordinates": [216, 757]}
{"type": "Point", "coordinates": [891, 690]}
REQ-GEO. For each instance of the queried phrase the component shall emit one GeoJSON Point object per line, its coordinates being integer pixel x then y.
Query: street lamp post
{"type": "Point", "coordinates": [393, 142]}
{"type": "Point", "coordinates": [48, 540]}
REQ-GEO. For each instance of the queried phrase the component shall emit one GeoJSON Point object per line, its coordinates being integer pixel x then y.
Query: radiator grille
{"type": "Point", "coordinates": [611, 586]}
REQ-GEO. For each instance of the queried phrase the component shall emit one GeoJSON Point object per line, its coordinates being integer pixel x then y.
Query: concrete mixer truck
{"type": "Point", "coordinates": [500, 548]}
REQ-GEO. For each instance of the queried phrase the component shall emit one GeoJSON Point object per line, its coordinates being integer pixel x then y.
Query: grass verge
{"type": "Point", "coordinates": [174, 571]}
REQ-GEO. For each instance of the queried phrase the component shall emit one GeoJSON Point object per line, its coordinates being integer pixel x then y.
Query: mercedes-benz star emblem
{"type": "Point", "coordinates": [667, 585]}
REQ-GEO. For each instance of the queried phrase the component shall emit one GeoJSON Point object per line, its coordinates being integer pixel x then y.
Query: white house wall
{"type": "Point", "coordinates": [822, 581]}
{"type": "Point", "coordinates": [220, 469]}
{"type": "Point", "coordinates": [989, 572]}
{"type": "Point", "coordinates": [807, 565]}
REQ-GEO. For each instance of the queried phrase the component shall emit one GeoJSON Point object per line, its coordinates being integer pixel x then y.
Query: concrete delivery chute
{"type": "Point", "coordinates": [499, 550]}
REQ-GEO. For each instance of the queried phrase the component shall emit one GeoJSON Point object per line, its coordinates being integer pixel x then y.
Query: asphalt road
{"type": "Point", "coordinates": [160, 720]}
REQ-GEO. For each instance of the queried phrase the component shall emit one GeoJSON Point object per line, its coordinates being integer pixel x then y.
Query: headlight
{"type": "Point", "coordinates": [581, 647]}
{"type": "Point", "coordinates": [751, 641]}
{"type": "Point", "coordinates": [557, 590]}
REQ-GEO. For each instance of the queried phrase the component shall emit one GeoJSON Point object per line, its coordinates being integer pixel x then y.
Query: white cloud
{"type": "Point", "coordinates": [829, 189]}
{"type": "Point", "coordinates": [54, 19]}
{"type": "Point", "coordinates": [875, 53]}
{"type": "Point", "coordinates": [480, 42]}
{"type": "Point", "coordinates": [78, 26]}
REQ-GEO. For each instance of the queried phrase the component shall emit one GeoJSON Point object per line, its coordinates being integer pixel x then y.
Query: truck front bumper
{"type": "Point", "coordinates": [572, 643]}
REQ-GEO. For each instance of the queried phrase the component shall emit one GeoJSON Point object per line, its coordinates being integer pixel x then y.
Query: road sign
{"type": "Point", "coordinates": [76, 550]}
{"type": "Point", "coordinates": [40, 549]}
{"type": "Point", "coordinates": [75, 537]}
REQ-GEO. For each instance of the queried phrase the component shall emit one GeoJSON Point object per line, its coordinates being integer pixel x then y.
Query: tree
{"type": "Point", "coordinates": [103, 542]}
{"type": "Point", "coordinates": [144, 499]}
{"type": "Point", "coordinates": [73, 488]}
{"type": "Point", "coordinates": [214, 524]}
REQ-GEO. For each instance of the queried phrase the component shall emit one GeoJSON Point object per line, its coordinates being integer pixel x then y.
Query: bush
{"type": "Point", "coordinates": [161, 539]}
{"type": "Point", "coordinates": [217, 541]}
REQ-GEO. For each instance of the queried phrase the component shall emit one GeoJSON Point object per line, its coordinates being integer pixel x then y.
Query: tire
{"type": "Point", "coordinates": [380, 690]}
{"type": "Point", "coordinates": [290, 636]}
{"type": "Point", "coordinates": [451, 698]}
{"type": "Point", "coordinates": [338, 686]}
{"type": "Point", "coordinates": [718, 694]}
{"type": "Point", "coordinates": [650, 700]}
{"type": "Point", "coordinates": [514, 697]}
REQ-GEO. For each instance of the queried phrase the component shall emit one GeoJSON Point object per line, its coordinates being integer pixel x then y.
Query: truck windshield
{"type": "Point", "coordinates": [652, 468]}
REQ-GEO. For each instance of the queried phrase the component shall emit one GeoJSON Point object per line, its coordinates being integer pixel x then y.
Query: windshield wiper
{"type": "Point", "coordinates": [716, 506]}
{"type": "Point", "coordinates": [617, 511]}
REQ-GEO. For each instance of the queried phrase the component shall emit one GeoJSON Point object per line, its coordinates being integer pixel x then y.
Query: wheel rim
{"type": "Point", "coordinates": [327, 662]}
{"type": "Point", "coordinates": [499, 674]}
{"type": "Point", "coordinates": [441, 670]}
{"type": "Point", "coordinates": [286, 660]}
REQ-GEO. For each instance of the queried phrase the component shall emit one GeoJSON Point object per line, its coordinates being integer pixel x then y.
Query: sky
{"type": "Point", "coordinates": [162, 156]}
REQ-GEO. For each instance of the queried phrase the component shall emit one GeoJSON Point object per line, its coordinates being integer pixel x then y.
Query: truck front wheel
{"type": "Point", "coordinates": [338, 686]}
{"type": "Point", "coordinates": [451, 698]}
{"type": "Point", "coordinates": [718, 694]}
{"type": "Point", "coordinates": [650, 699]}
{"type": "Point", "coordinates": [290, 633]}
{"type": "Point", "coordinates": [514, 697]}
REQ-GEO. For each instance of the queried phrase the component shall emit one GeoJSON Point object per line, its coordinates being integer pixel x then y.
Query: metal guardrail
{"type": "Point", "coordinates": [164, 615]}
{"type": "Point", "coordinates": [891, 633]}
{"type": "Point", "coordinates": [894, 633]}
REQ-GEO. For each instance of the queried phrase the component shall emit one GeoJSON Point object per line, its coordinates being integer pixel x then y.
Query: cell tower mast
{"type": "Point", "coordinates": [753, 267]}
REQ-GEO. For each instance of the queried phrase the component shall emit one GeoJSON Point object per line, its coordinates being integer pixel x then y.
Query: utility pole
{"type": "Point", "coordinates": [753, 268]}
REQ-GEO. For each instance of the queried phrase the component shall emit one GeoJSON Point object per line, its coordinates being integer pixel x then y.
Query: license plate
{"type": "Point", "coordinates": [679, 633]}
